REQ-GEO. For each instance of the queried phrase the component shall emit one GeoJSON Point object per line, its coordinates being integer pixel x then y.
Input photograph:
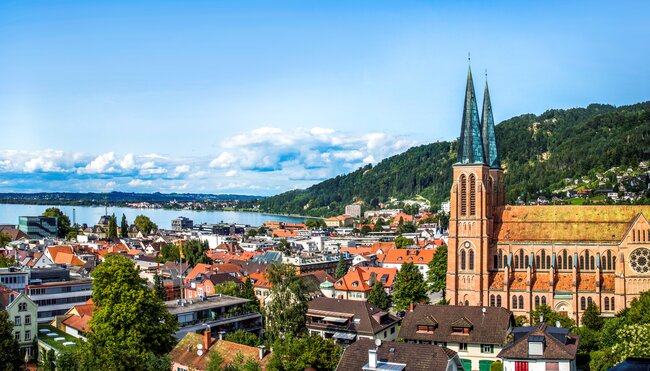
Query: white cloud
{"type": "Point", "coordinates": [128, 162]}
{"type": "Point", "coordinates": [231, 173]}
{"type": "Point", "coordinates": [101, 164]}
{"type": "Point", "coordinates": [140, 182]}
{"type": "Point", "coordinates": [181, 169]}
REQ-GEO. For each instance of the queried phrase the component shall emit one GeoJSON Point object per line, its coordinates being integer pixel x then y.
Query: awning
{"type": "Point", "coordinates": [335, 319]}
{"type": "Point", "coordinates": [344, 336]}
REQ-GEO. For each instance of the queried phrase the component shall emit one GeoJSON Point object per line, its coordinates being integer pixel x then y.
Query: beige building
{"type": "Point", "coordinates": [354, 210]}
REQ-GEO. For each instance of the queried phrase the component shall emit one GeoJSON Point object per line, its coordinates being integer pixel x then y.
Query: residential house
{"type": "Point", "coordinates": [365, 355]}
{"type": "Point", "coordinates": [358, 282]}
{"type": "Point", "coordinates": [394, 258]}
{"type": "Point", "coordinates": [21, 311]}
{"type": "Point", "coordinates": [194, 351]}
{"type": "Point", "coordinates": [204, 283]}
{"type": "Point", "coordinates": [540, 347]}
{"type": "Point", "coordinates": [75, 322]}
{"type": "Point", "coordinates": [346, 321]}
{"type": "Point", "coordinates": [478, 334]}
{"type": "Point", "coordinates": [340, 221]}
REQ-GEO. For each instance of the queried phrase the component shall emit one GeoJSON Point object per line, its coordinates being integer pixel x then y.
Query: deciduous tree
{"type": "Point", "coordinates": [63, 222]}
{"type": "Point", "coordinates": [286, 312]}
{"type": "Point", "coordinates": [401, 242]}
{"type": "Point", "coordinates": [244, 337]}
{"type": "Point", "coordinates": [144, 224]}
{"type": "Point", "coordinates": [591, 318]}
{"type": "Point", "coordinates": [437, 274]}
{"type": "Point", "coordinates": [551, 317]}
{"type": "Point", "coordinates": [302, 353]}
{"type": "Point", "coordinates": [379, 297]}
{"type": "Point", "coordinates": [10, 358]}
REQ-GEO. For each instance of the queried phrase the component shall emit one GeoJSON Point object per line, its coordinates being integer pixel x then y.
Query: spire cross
{"type": "Point", "coordinates": [469, 58]}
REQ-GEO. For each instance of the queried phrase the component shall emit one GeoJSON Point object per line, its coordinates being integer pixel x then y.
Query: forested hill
{"type": "Point", "coordinates": [537, 153]}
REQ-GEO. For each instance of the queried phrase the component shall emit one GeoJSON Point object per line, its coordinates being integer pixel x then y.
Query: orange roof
{"type": "Point", "coordinates": [55, 250]}
{"type": "Point", "coordinates": [339, 218]}
{"type": "Point", "coordinates": [564, 282]}
{"type": "Point", "coordinates": [519, 281]}
{"type": "Point", "coordinates": [541, 282]}
{"type": "Point", "coordinates": [185, 352]}
{"type": "Point", "coordinates": [496, 281]}
{"type": "Point", "coordinates": [361, 276]}
{"type": "Point", "coordinates": [384, 246]}
{"type": "Point", "coordinates": [80, 315]}
{"type": "Point", "coordinates": [285, 233]}
{"type": "Point", "coordinates": [406, 218]}
{"type": "Point", "coordinates": [415, 256]}
{"type": "Point", "coordinates": [198, 269]}
{"type": "Point", "coordinates": [260, 280]}
{"type": "Point", "coordinates": [68, 258]}
{"type": "Point", "coordinates": [566, 223]}
{"type": "Point", "coordinates": [607, 283]}
{"type": "Point", "coordinates": [587, 282]}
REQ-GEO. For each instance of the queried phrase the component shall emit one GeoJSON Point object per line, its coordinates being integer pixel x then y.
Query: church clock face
{"type": "Point", "coordinates": [640, 260]}
{"type": "Point", "coordinates": [467, 244]}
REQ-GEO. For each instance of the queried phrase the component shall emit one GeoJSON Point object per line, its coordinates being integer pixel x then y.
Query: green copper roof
{"type": "Point", "coordinates": [326, 284]}
{"type": "Point", "coordinates": [470, 144]}
{"type": "Point", "coordinates": [489, 139]}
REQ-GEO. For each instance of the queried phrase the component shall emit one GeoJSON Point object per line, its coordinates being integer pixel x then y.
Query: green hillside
{"type": "Point", "coordinates": [537, 152]}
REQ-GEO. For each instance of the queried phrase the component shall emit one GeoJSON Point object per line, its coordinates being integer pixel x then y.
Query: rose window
{"type": "Point", "coordinates": [640, 260]}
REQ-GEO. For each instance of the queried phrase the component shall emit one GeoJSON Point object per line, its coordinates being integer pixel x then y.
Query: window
{"type": "Point", "coordinates": [472, 195]}
{"type": "Point", "coordinates": [583, 303]}
{"type": "Point", "coordinates": [440, 343]}
{"type": "Point", "coordinates": [492, 301]}
{"type": "Point", "coordinates": [392, 330]}
{"type": "Point", "coordinates": [543, 300]}
{"type": "Point", "coordinates": [462, 347]}
{"type": "Point", "coordinates": [589, 301]}
{"type": "Point", "coordinates": [536, 302]}
{"type": "Point", "coordinates": [463, 195]}
{"type": "Point", "coordinates": [17, 335]}
{"type": "Point", "coordinates": [385, 334]}
{"type": "Point", "coordinates": [487, 348]}
{"type": "Point", "coordinates": [521, 302]}
{"type": "Point", "coordinates": [606, 303]}
{"type": "Point", "coordinates": [425, 328]}
{"type": "Point", "coordinates": [471, 259]}
{"type": "Point", "coordinates": [28, 335]}
{"type": "Point", "coordinates": [17, 321]}
{"type": "Point", "coordinates": [514, 302]}
{"type": "Point", "coordinates": [612, 301]}
{"type": "Point", "coordinates": [22, 307]}
{"type": "Point", "coordinates": [498, 300]}
{"type": "Point", "coordinates": [496, 262]}
{"type": "Point", "coordinates": [463, 259]}
{"type": "Point", "coordinates": [28, 320]}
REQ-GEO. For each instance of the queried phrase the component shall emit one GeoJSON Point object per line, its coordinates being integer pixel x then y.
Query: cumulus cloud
{"type": "Point", "coordinates": [139, 182]}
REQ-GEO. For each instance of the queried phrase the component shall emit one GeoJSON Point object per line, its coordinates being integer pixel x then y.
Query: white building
{"type": "Point", "coordinates": [540, 348]}
{"type": "Point", "coordinates": [353, 210]}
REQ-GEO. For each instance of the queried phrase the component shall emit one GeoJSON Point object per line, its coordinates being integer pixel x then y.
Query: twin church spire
{"type": "Point", "coordinates": [477, 143]}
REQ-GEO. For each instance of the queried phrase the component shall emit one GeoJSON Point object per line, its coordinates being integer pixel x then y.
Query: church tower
{"type": "Point", "coordinates": [474, 196]}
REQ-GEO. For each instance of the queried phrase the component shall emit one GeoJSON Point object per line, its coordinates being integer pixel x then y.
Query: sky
{"type": "Point", "coordinates": [260, 97]}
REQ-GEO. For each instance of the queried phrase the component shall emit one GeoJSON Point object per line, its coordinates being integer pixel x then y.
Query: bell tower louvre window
{"type": "Point", "coordinates": [472, 195]}
{"type": "Point", "coordinates": [463, 195]}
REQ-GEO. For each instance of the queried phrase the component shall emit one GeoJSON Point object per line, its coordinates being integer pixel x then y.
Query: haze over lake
{"type": "Point", "coordinates": [90, 215]}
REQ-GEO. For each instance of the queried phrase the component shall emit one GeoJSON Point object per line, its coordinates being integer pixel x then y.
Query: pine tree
{"type": "Point", "coordinates": [379, 297]}
{"type": "Point", "coordinates": [249, 293]}
{"type": "Point", "coordinates": [410, 287]}
{"type": "Point", "coordinates": [124, 227]}
{"type": "Point", "coordinates": [341, 268]}
{"type": "Point", "coordinates": [112, 227]}
{"type": "Point", "coordinates": [591, 317]}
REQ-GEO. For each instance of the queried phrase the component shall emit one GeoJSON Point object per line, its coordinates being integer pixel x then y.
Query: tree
{"type": "Point", "coordinates": [341, 268]}
{"type": "Point", "coordinates": [248, 292]}
{"type": "Point", "coordinates": [228, 288]}
{"type": "Point", "coordinates": [194, 252]}
{"type": "Point", "coordinates": [286, 312]}
{"type": "Point", "coordinates": [496, 366]}
{"type": "Point", "coordinates": [251, 233]}
{"type": "Point", "coordinates": [379, 225]}
{"type": "Point", "coordinates": [365, 230]}
{"type": "Point", "coordinates": [47, 362]}
{"type": "Point", "coordinates": [159, 287]}
{"type": "Point", "coordinates": [401, 242]}
{"type": "Point", "coordinates": [437, 274]}
{"type": "Point", "coordinates": [4, 239]}
{"type": "Point", "coordinates": [244, 337]}
{"type": "Point", "coordinates": [7, 262]}
{"type": "Point", "coordinates": [215, 361]}
{"type": "Point", "coordinates": [406, 228]}
{"type": "Point", "coordinates": [284, 246]}
{"type": "Point", "coordinates": [72, 234]}
{"type": "Point", "coordinates": [144, 224]}
{"type": "Point", "coordinates": [169, 253]}
{"type": "Point", "coordinates": [63, 222]}
{"type": "Point", "coordinates": [131, 326]}
{"type": "Point", "coordinates": [112, 228]}
{"type": "Point", "coordinates": [551, 317]}
{"type": "Point", "coordinates": [302, 353]}
{"type": "Point", "coordinates": [379, 297]}
{"type": "Point", "coordinates": [312, 223]}
{"type": "Point", "coordinates": [410, 287]}
{"type": "Point", "coordinates": [124, 227]}
{"type": "Point", "coordinates": [443, 220]}
{"type": "Point", "coordinates": [10, 358]}
{"type": "Point", "coordinates": [591, 317]}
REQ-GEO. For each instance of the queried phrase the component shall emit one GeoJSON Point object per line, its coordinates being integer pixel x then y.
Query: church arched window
{"type": "Point", "coordinates": [498, 300]}
{"type": "Point", "coordinates": [472, 195]}
{"type": "Point", "coordinates": [606, 303]}
{"type": "Point", "coordinates": [543, 300]}
{"type": "Point", "coordinates": [592, 266]}
{"type": "Point", "coordinates": [514, 301]}
{"type": "Point", "coordinates": [612, 301]}
{"type": "Point", "coordinates": [583, 303]}
{"type": "Point", "coordinates": [492, 300]}
{"type": "Point", "coordinates": [463, 195]}
{"type": "Point", "coordinates": [463, 260]}
{"type": "Point", "coordinates": [516, 261]}
{"type": "Point", "coordinates": [536, 301]}
{"type": "Point", "coordinates": [582, 263]}
{"type": "Point", "coordinates": [521, 302]}
{"type": "Point", "coordinates": [496, 262]}
{"type": "Point", "coordinates": [471, 259]}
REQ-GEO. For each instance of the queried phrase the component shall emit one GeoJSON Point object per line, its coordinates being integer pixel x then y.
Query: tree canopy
{"type": "Point", "coordinates": [63, 222]}
{"type": "Point", "coordinates": [131, 325]}
{"type": "Point", "coordinates": [410, 287]}
{"type": "Point", "coordinates": [437, 274]}
{"type": "Point", "coordinates": [286, 312]}
{"type": "Point", "coordinates": [10, 358]}
{"type": "Point", "coordinates": [124, 227]}
{"type": "Point", "coordinates": [379, 297]}
{"type": "Point", "coordinates": [144, 224]}
{"type": "Point", "coordinates": [301, 353]}
{"type": "Point", "coordinates": [401, 242]}
{"type": "Point", "coordinates": [341, 268]}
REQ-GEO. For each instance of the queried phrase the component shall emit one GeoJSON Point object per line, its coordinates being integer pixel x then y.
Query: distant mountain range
{"type": "Point", "coordinates": [115, 198]}
{"type": "Point", "coordinates": [537, 153]}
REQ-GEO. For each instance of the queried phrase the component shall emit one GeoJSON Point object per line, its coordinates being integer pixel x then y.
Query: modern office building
{"type": "Point", "coordinates": [38, 226]}
{"type": "Point", "coordinates": [55, 292]}
{"type": "Point", "coordinates": [182, 223]}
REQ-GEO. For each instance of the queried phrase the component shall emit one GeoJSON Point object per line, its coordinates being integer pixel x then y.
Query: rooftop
{"type": "Point", "coordinates": [213, 301]}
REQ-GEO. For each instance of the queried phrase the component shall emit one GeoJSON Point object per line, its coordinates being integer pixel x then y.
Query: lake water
{"type": "Point", "coordinates": [9, 214]}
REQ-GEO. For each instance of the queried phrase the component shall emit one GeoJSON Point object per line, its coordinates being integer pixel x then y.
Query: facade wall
{"type": "Point", "coordinates": [23, 313]}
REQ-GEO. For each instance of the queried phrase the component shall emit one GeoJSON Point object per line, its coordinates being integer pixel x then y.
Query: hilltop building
{"type": "Point", "coordinates": [519, 257]}
{"type": "Point", "coordinates": [354, 210]}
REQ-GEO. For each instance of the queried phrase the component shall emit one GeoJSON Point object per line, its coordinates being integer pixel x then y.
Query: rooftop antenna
{"type": "Point", "coordinates": [74, 217]}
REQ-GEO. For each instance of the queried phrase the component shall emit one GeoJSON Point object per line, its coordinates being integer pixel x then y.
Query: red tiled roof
{"type": "Point", "coordinates": [541, 282]}
{"type": "Point", "coordinates": [519, 281]}
{"type": "Point", "coordinates": [607, 282]}
{"type": "Point", "coordinates": [496, 281]}
{"type": "Point", "coordinates": [564, 282]}
{"type": "Point", "coordinates": [415, 256]}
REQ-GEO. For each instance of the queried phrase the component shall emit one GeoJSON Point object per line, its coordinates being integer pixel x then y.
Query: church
{"type": "Point", "coordinates": [520, 257]}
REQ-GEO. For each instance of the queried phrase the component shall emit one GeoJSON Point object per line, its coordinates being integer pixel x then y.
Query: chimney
{"type": "Point", "coordinates": [541, 317]}
{"type": "Point", "coordinates": [557, 324]}
{"type": "Point", "coordinates": [207, 338]}
{"type": "Point", "coordinates": [372, 358]}
{"type": "Point", "coordinates": [221, 335]}
{"type": "Point", "coordinates": [411, 307]}
{"type": "Point", "coordinates": [261, 351]}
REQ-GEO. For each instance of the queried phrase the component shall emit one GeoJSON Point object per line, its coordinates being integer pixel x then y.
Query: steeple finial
{"type": "Point", "coordinates": [487, 128]}
{"type": "Point", "coordinates": [470, 143]}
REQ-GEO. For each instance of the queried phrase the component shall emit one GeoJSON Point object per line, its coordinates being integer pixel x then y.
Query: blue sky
{"type": "Point", "coordinates": [258, 97]}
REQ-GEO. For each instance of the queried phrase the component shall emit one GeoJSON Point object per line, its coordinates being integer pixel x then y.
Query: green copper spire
{"type": "Point", "coordinates": [470, 143]}
{"type": "Point", "coordinates": [489, 139]}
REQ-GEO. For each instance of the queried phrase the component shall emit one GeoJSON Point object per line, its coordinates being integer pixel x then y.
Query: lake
{"type": "Point", "coordinates": [9, 214]}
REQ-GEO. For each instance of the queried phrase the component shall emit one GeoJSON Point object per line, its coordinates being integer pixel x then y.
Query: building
{"type": "Point", "coordinates": [339, 221]}
{"type": "Point", "coordinates": [76, 321]}
{"type": "Point", "coordinates": [21, 310]}
{"type": "Point", "coordinates": [358, 282]}
{"type": "Point", "coordinates": [519, 257]}
{"type": "Point", "coordinates": [220, 313]}
{"type": "Point", "coordinates": [539, 348]}
{"type": "Point", "coordinates": [346, 321]}
{"type": "Point", "coordinates": [394, 258]}
{"type": "Point", "coordinates": [311, 262]}
{"type": "Point", "coordinates": [182, 223]}
{"type": "Point", "coordinates": [353, 210]}
{"type": "Point", "coordinates": [477, 333]}
{"type": "Point", "coordinates": [14, 278]}
{"type": "Point", "coordinates": [194, 350]}
{"type": "Point", "coordinates": [445, 207]}
{"type": "Point", "coordinates": [366, 355]}
{"type": "Point", "coordinates": [38, 227]}
{"type": "Point", "coordinates": [56, 297]}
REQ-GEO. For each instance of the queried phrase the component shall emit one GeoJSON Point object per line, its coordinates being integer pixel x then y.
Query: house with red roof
{"type": "Point", "coordinates": [396, 257]}
{"type": "Point", "coordinates": [358, 282]}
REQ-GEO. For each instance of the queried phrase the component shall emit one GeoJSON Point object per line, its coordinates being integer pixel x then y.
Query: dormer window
{"type": "Point", "coordinates": [355, 283]}
{"type": "Point", "coordinates": [428, 329]}
{"type": "Point", "coordinates": [399, 259]}
{"type": "Point", "coordinates": [536, 345]}
{"type": "Point", "coordinates": [460, 330]}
